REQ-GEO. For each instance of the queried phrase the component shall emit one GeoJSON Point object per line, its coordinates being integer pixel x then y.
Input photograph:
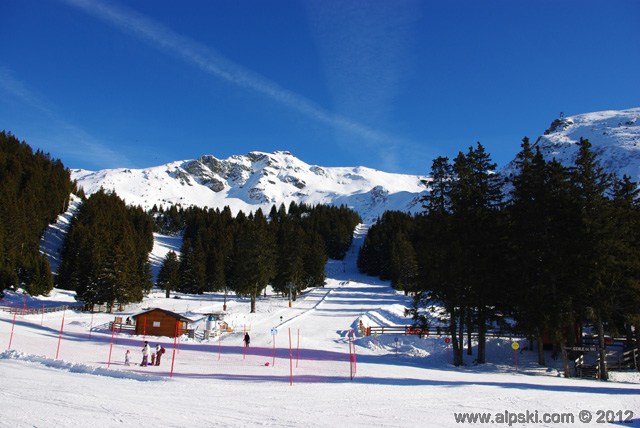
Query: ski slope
{"type": "Point", "coordinates": [218, 382]}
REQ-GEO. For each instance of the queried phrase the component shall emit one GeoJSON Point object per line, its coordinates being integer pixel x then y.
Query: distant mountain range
{"type": "Point", "coordinates": [260, 180]}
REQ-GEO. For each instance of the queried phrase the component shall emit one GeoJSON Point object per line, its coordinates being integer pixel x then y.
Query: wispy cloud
{"type": "Point", "coordinates": [216, 65]}
{"type": "Point", "coordinates": [67, 140]}
{"type": "Point", "coordinates": [366, 49]}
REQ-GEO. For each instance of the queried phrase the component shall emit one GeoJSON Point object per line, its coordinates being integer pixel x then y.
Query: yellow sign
{"type": "Point", "coordinates": [515, 346]}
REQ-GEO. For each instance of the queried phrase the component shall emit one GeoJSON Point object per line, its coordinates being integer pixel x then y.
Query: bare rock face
{"type": "Point", "coordinates": [299, 183]}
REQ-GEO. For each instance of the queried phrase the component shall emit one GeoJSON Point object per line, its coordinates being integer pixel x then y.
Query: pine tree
{"type": "Point", "coordinates": [476, 200]}
{"type": "Point", "coordinates": [254, 258]}
{"type": "Point", "coordinates": [404, 264]}
{"type": "Point", "coordinates": [169, 275]}
{"type": "Point", "coordinates": [591, 184]}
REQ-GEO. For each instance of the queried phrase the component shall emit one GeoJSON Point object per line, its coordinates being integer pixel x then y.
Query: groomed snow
{"type": "Point", "coordinates": [406, 383]}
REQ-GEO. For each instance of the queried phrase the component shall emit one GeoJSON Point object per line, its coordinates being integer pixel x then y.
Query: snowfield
{"type": "Point", "coordinates": [217, 382]}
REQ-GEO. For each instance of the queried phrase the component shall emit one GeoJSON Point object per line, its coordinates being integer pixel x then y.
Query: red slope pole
{"type": "Point", "coordinates": [173, 357]}
{"type": "Point", "coordinates": [91, 325]}
{"type": "Point", "coordinates": [290, 360]}
{"type": "Point", "coordinates": [113, 330]}
{"type": "Point", "coordinates": [355, 356]}
{"type": "Point", "coordinates": [12, 327]}
{"type": "Point", "coordinates": [273, 339]}
{"type": "Point", "coordinates": [42, 319]}
{"type": "Point", "coordinates": [350, 356]}
{"type": "Point", "coordinates": [298, 349]}
{"type": "Point", "coordinates": [60, 335]}
{"type": "Point", "coordinates": [219, 339]}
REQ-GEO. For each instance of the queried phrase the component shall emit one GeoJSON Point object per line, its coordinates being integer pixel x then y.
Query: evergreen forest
{"type": "Point", "coordinates": [545, 251]}
{"type": "Point", "coordinates": [34, 189]}
{"type": "Point", "coordinates": [105, 258]}
{"type": "Point", "coordinates": [287, 249]}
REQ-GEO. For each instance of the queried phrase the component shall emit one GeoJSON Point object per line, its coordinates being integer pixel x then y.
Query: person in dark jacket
{"type": "Point", "coordinates": [247, 339]}
{"type": "Point", "coordinates": [159, 351]}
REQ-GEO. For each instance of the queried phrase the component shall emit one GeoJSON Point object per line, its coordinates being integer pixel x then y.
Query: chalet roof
{"type": "Point", "coordinates": [171, 314]}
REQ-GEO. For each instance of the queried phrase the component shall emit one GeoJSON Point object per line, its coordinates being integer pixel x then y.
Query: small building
{"type": "Point", "coordinates": [160, 322]}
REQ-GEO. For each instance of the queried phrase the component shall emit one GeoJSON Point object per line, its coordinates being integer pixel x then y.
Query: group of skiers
{"type": "Point", "coordinates": [146, 352]}
{"type": "Point", "coordinates": [157, 355]}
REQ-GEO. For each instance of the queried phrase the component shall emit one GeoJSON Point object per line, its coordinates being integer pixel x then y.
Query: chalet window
{"type": "Point", "coordinates": [156, 323]}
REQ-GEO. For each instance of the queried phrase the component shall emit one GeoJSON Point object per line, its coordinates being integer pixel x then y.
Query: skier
{"type": "Point", "coordinates": [159, 351]}
{"type": "Point", "coordinates": [145, 354]}
{"type": "Point", "coordinates": [127, 358]}
{"type": "Point", "coordinates": [247, 339]}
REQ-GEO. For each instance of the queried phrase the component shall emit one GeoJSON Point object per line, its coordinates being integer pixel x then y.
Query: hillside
{"type": "Point", "coordinates": [258, 180]}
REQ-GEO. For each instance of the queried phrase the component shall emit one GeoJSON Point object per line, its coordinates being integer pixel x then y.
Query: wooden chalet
{"type": "Point", "coordinates": [160, 322]}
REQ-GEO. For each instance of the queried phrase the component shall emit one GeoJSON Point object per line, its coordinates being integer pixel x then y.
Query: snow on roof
{"type": "Point", "coordinates": [172, 314]}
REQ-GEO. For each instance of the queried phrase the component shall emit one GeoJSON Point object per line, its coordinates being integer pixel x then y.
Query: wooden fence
{"type": "Point", "coordinates": [38, 311]}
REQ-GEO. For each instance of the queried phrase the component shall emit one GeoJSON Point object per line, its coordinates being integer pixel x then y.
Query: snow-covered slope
{"type": "Point", "coordinates": [614, 135]}
{"type": "Point", "coordinates": [258, 180]}
{"type": "Point", "coordinates": [63, 369]}
{"type": "Point", "coordinates": [54, 236]}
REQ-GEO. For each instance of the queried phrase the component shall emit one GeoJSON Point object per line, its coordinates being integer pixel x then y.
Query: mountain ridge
{"type": "Point", "coordinates": [613, 134]}
{"type": "Point", "coordinates": [258, 180]}
{"type": "Point", "coordinates": [261, 180]}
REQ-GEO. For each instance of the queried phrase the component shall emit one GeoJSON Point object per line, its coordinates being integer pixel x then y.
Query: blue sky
{"type": "Point", "coordinates": [388, 84]}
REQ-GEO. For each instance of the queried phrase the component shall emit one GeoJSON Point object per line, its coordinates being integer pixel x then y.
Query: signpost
{"type": "Point", "coordinates": [447, 341]}
{"type": "Point", "coordinates": [582, 348]}
{"type": "Point", "coordinates": [515, 346]}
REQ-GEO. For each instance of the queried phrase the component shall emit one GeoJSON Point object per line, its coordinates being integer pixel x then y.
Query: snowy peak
{"type": "Point", "coordinates": [614, 135]}
{"type": "Point", "coordinates": [258, 180]}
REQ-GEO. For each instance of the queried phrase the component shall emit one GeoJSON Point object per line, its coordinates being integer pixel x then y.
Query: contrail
{"type": "Point", "coordinates": [214, 64]}
{"type": "Point", "coordinates": [72, 140]}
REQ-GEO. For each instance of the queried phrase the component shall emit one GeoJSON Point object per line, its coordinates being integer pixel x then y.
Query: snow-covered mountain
{"type": "Point", "coordinates": [258, 180]}
{"type": "Point", "coordinates": [261, 180]}
{"type": "Point", "coordinates": [614, 135]}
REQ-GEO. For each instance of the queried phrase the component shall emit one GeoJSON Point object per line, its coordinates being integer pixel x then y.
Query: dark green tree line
{"type": "Point", "coordinates": [34, 189]}
{"type": "Point", "coordinates": [288, 249]}
{"type": "Point", "coordinates": [556, 251]}
{"type": "Point", "coordinates": [105, 258]}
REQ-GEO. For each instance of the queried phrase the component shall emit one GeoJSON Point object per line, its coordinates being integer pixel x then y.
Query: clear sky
{"type": "Point", "coordinates": [387, 84]}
